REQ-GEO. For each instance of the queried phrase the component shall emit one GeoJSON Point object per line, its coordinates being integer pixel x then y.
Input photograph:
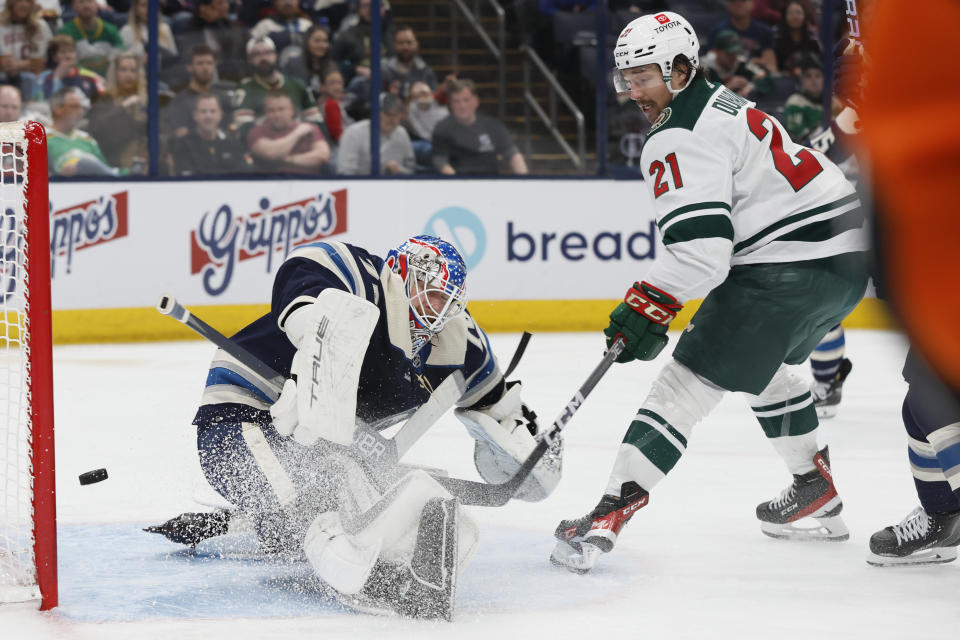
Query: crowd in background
{"type": "Point", "coordinates": [283, 86]}
{"type": "Point", "coordinates": [768, 51]}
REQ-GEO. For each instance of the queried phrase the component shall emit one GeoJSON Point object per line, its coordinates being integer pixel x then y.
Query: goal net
{"type": "Point", "coordinates": [28, 559]}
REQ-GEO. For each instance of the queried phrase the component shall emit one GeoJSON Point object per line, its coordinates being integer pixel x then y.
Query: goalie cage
{"type": "Point", "coordinates": [28, 542]}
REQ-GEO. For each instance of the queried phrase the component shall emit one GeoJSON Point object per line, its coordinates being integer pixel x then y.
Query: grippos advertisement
{"type": "Point", "coordinates": [124, 244]}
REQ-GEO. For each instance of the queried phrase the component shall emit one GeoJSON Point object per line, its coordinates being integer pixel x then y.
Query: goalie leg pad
{"type": "Point", "coordinates": [343, 547]}
{"type": "Point", "coordinates": [434, 565]}
{"type": "Point", "coordinates": [327, 365]}
{"type": "Point", "coordinates": [342, 561]}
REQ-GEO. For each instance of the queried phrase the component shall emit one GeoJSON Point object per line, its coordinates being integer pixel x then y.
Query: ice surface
{"type": "Point", "coordinates": [693, 564]}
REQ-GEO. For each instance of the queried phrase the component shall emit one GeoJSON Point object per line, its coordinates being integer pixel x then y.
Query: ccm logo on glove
{"type": "Point", "coordinates": [637, 300]}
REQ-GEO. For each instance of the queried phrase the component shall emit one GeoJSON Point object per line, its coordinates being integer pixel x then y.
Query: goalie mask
{"type": "Point", "coordinates": [434, 274]}
{"type": "Point", "coordinates": [655, 39]}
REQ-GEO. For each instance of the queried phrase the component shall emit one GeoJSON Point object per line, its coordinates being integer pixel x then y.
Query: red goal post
{"type": "Point", "coordinates": [28, 523]}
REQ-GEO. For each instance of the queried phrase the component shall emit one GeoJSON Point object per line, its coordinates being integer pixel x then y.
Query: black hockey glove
{"type": "Point", "coordinates": [642, 319]}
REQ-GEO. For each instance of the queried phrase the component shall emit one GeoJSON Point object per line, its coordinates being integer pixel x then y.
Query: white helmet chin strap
{"type": "Point", "coordinates": [675, 92]}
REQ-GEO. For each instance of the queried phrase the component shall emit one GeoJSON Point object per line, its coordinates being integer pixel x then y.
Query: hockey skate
{"type": "Point", "coordinates": [827, 395]}
{"type": "Point", "coordinates": [920, 538]}
{"type": "Point", "coordinates": [811, 495]}
{"type": "Point", "coordinates": [581, 541]}
{"type": "Point", "coordinates": [193, 528]}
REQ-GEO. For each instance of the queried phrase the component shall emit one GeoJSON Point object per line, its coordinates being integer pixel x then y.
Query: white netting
{"type": "Point", "coordinates": [17, 568]}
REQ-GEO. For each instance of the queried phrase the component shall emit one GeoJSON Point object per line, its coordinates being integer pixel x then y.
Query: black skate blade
{"type": "Point", "coordinates": [938, 555]}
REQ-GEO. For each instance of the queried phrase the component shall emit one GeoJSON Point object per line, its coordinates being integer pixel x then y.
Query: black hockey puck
{"type": "Point", "coordinates": [90, 477]}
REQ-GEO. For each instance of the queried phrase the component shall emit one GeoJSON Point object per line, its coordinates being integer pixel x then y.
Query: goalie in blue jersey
{"type": "Point", "coordinates": [362, 342]}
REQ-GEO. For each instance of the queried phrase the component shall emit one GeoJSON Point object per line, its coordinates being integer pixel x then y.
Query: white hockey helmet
{"type": "Point", "coordinates": [656, 38]}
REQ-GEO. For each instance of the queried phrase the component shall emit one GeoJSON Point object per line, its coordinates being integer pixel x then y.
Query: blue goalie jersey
{"type": "Point", "coordinates": [393, 381]}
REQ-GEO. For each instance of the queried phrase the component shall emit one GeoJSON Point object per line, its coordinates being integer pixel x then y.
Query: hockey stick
{"type": "Point", "coordinates": [496, 495]}
{"type": "Point", "coordinates": [371, 446]}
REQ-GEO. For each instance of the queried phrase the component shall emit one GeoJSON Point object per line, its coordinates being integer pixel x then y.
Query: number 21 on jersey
{"type": "Point", "coordinates": [658, 170]}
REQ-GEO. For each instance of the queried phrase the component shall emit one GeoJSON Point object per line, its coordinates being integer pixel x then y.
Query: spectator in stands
{"type": "Point", "coordinates": [207, 149]}
{"type": "Point", "coordinates": [24, 36]}
{"type": "Point", "coordinates": [118, 121]}
{"type": "Point", "coordinates": [210, 25]}
{"type": "Point", "coordinates": [794, 38]}
{"type": "Point", "coordinates": [310, 61]}
{"type": "Point", "coordinates": [332, 103]}
{"type": "Point", "coordinates": [96, 39]}
{"type": "Point", "coordinates": [331, 12]}
{"type": "Point", "coordinates": [287, 25]}
{"type": "Point", "coordinates": [772, 11]}
{"type": "Point", "coordinates": [50, 10]}
{"type": "Point", "coordinates": [803, 111]}
{"type": "Point", "coordinates": [351, 47]}
{"type": "Point", "coordinates": [64, 71]}
{"type": "Point", "coordinates": [469, 142]}
{"type": "Point", "coordinates": [262, 58]}
{"type": "Point", "coordinates": [401, 71]}
{"type": "Point", "coordinates": [423, 115]}
{"type": "Point", "coordinates": [134, 34]}
{"type": "Point", "coordinates": [284, 144]}
{"type": "Point", "coordinates": [72, 152]}
{"type": "Point", "coordinates": [396, 152]}
{"type": "Point", "coordinates": [727, 62]}
{"type": "Point", "coordinates": [756, 37]}
{"type": "Point", "coordinates": [203, 73]}
{"type": "Point", "coordinates": [10, 103]}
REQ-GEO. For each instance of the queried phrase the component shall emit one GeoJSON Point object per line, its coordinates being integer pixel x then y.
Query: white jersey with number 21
{"type": "Point", "coordinates": [730, 188]}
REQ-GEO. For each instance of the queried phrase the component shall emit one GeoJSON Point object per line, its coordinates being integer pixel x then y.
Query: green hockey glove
{"type": "Point", "coordinates": [642, 319]}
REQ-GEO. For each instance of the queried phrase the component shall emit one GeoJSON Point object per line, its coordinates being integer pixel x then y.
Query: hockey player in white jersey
{"type": "Point", "coordinates": [359, 339]}
{"type": "Point", "coordinates": [770, 234]}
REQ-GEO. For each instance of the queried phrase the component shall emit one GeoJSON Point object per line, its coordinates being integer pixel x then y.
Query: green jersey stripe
{"type": "Point", "coordinates": [708, 226]}
{"type": "Point", "coordinates": [772, 229]}
{"type": "Point", "coordinates": [696, 206]}
{"type": "Point", "coordinates": [826, 229]}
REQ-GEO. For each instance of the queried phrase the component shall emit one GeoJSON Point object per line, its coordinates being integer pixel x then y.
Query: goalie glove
{"type": "Point", "coordinates": [505, 434]}
{"type": "Point", "coordinates": [642, 319]}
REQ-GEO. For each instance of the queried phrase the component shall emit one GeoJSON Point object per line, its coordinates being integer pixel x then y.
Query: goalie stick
{"type": "Point", "coordinates": [496, 495]}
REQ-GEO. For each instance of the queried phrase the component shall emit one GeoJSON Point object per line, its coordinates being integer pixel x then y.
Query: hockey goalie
{"type": "Point", "coordinates": [361, 340]}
